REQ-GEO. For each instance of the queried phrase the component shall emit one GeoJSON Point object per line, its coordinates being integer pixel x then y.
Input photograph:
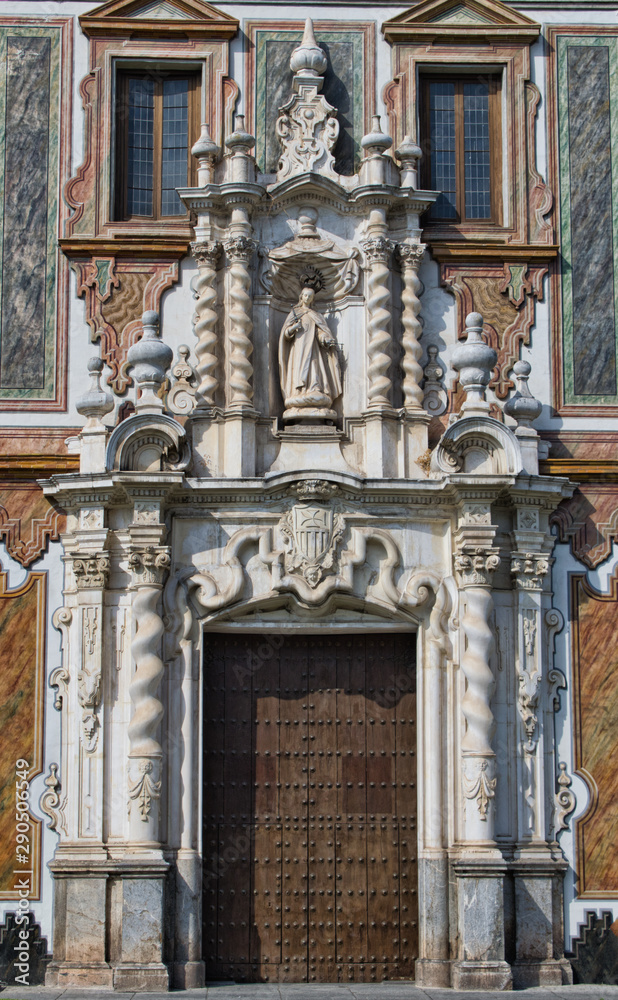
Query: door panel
{"type": "Point", "coordinates": [310, 808]}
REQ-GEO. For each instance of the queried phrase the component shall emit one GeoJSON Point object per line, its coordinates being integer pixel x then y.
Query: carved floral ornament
{"type": "Point", "coordinates": [143, 788]}
{"type": "Point", "coordinates": [481, 786]}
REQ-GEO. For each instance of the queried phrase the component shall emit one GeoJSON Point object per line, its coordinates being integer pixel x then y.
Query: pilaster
{"type": "Point", "coordinates": [538, 867]}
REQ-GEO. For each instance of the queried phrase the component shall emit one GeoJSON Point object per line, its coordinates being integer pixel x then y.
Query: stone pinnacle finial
{"type": "Point", "coordinates": [96, 402]}
{"type": "Point", "coordinates": [524, 408]}
{"type": "Point", "coordinates": [308, 61]}
{"type": "Point", "coordinates": [206, 152]}
{"type": "Point", "coordinates": [474, 360]}
{"type": "Point", "coordinates": [149, 360]}
{"type": "Point", "coordinates": [522, 405]}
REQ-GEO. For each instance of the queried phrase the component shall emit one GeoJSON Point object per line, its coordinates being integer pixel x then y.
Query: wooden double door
{"type": "Point", "coordinates": [310, 807]}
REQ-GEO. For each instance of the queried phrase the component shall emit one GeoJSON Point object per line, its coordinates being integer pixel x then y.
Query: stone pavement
{"type": "Point", "coordinates": [317, 991]}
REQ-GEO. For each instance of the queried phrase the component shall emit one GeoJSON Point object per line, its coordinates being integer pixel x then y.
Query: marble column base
{"type": "Point", "coordinates": [381, 443]}
{"type": "Point", "coordinates": [432, 972]}
{"type": "Point", "coordinates": [551, 972]}
{"type": "Point", "coordinates": [239, 455]}
{"type": "Point", "coordinates": [64, 975]}
{"type": "Point", "coordinates": [188, 975]}
{"type": "Point", "coordinates": [471, 975]}
{"type": "Point", "coordinates": [136, 978]}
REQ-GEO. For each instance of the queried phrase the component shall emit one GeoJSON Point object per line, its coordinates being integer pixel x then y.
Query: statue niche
{"type": "Point", "coordinates": [309, 367]}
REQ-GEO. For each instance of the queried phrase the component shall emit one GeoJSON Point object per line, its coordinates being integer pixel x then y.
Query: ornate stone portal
{"type": "Point", "coordinates": [307, 504]}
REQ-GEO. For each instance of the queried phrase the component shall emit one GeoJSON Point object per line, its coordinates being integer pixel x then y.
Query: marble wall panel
{"type": "Point", "coordinates": [587, 103]}
{"type": "Point", "coordinates": [22, 682]}
{"type": "Point", "coordinates": [346, 86]}
{"type": "Point", "coordinates": [595, 663]}
{"type": "Point", "coordinates": [34, 71]}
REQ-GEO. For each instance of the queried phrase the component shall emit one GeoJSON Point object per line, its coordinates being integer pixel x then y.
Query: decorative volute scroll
{"type": "Point", "coordinates": [307, 127]}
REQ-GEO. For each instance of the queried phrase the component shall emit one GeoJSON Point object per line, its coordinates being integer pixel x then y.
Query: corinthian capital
{"type": "Point", "coordinates": [474, 566]}
{"type": "Point", "coordinates": [207, 254]}
{"type": "Point", "coordinates": [241, 248]}
{"type": "Point", "coordinates": [378, 250]}
{"type": "Point", "coordinates": [410, 255]}
{"type": "Point", "coordinates": [91, 570]}
{"type": "Point", "coordinates": [149, 565]}
{"type": "Point", "coordinates": [528, 570]}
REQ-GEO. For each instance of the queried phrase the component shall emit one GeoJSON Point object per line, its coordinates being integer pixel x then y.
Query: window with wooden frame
{"type": "Point", "coordinates": [157, 122]}
{"type": "Point", "coordinates": [461, 142]}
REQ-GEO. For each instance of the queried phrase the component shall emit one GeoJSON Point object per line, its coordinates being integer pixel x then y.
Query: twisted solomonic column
{"type": "Point", "coordinates": [410, 256]}
{"type": "Point", "coordinates": [145, 756]}
{"type": "Point", "coordinates": [378, 251]}
{"type": "Point", "coordinates": [240, 391]}
{"type": "Point", "coordinates": [475, 565]}
{"type": "Point", "coordinates": [205, 322]}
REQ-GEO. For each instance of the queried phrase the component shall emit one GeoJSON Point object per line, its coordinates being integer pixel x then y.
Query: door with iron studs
{"type": "Point", "coordinates": [310, 807]}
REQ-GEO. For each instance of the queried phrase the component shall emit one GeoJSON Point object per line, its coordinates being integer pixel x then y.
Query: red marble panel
{"type": "Point", "coordinates": [595, 665]}
{"type": "Point", "coordinates": [22, 683]}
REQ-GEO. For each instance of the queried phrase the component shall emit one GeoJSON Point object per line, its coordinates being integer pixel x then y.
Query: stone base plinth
{"type": "Point", "coordinates": [551, 972]}
{"type": "Point", "coordinates": [188, 975]}
{"type": "Point", "coordinates": [136, 978]}
{"type": "Point", "coordinates": [432, 972]}
{"type": "Point", "coordinates": [88, 974]}
{"type": "Point", "coordinates": [482, 976]}
{"type": "Point", "coordinates": [310, 447]}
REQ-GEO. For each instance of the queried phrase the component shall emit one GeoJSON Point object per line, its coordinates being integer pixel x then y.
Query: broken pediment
{"type": "Point", "coordinates": [465, 20]}
{"type": "Point", "coordinates": [135, 17]}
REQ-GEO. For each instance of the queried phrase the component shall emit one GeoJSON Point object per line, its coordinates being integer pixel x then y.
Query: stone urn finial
{"type": "Point", "coordinates": [95, 402]}
{"type": "Point", "coordinates": [149, 360]}
{"type": "Point", "coordinates": [308, 61]}
{"type": "Point", "coordinates": [474, 360]}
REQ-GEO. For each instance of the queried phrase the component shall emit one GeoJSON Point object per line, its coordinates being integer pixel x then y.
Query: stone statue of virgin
{"type": "Point", "coordinates": [309, 366]}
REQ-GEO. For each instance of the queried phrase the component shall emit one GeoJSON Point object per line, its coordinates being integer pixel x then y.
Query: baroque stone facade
{"type": "Point", "coordinates": [303, 554]}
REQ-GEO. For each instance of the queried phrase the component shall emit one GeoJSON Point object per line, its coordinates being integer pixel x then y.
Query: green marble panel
{"type": "Point", "coordinates": [343, 88]}
{"type": "Point", "coordinates": [588, 164]}
{"type": "Point", "coordinates": [29, 181]}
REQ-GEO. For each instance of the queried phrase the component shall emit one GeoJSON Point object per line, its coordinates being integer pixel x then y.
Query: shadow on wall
{"type": "Point", "coordinates": [595, 950]}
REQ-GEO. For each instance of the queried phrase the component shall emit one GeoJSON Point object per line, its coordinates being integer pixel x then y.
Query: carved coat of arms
{"type": "Point", "coordinates": [313, 533]}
